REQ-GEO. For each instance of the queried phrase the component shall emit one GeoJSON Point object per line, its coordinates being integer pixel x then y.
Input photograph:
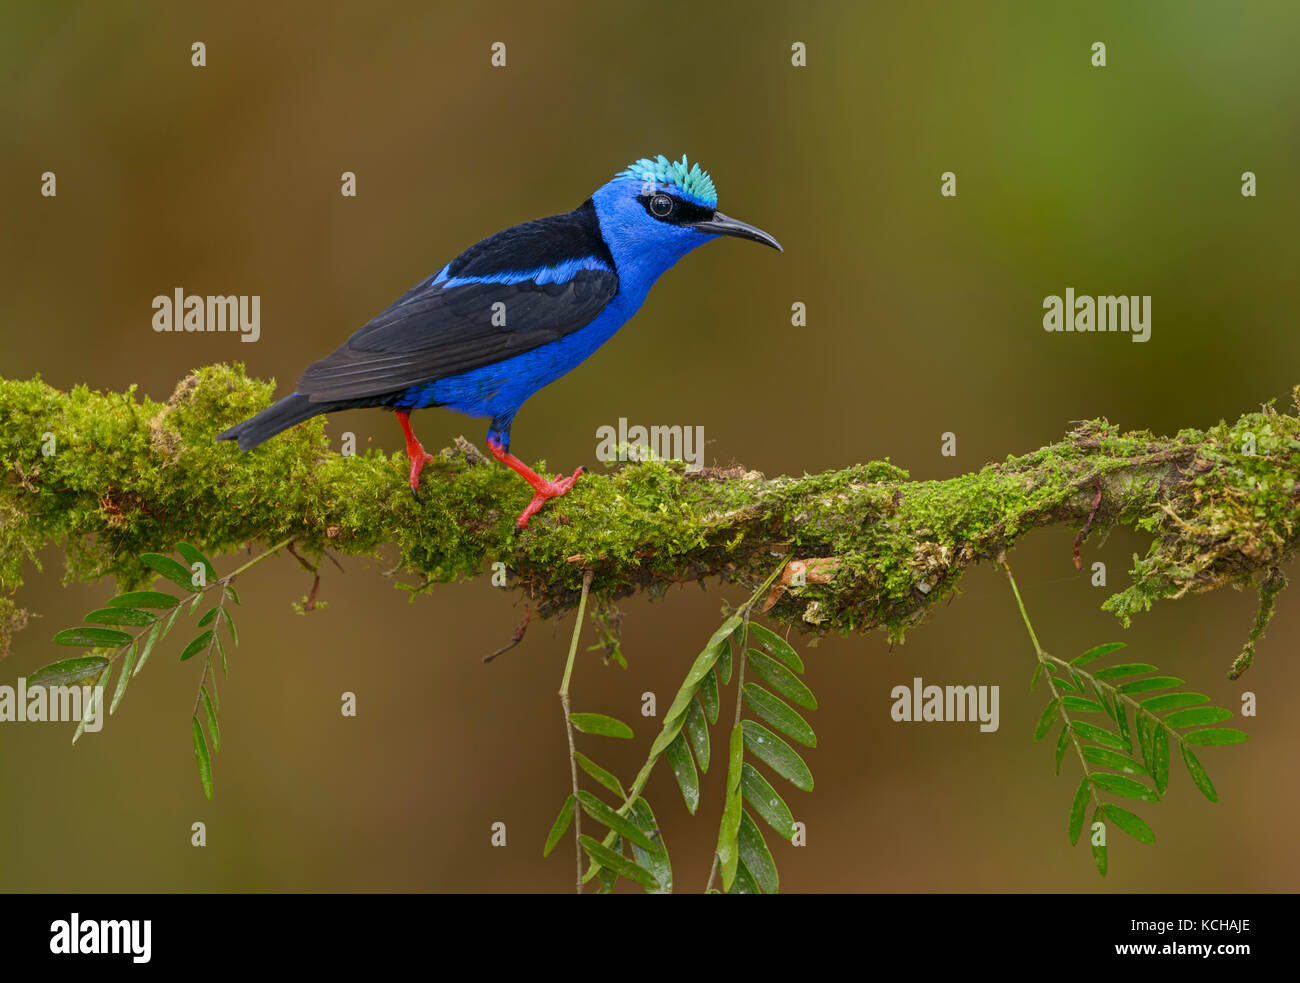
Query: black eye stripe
{"type": "Point", "coordinates": [683, 213]}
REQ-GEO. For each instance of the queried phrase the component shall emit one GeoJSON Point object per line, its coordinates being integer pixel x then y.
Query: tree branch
{"type": "Point", "coordinates": [122, 476]}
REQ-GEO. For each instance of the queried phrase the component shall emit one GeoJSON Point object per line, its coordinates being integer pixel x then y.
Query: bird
{"type": "Point", "coordinates": [514, 313]}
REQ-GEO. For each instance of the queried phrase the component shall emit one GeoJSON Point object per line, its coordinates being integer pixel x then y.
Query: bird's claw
{"type": "Point", "coordinates": [543, 492]}
{"type": "Point", "coordinates": [418, 461]}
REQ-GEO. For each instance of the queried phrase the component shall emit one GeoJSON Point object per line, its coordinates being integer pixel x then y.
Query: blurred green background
{"type": "Point", "coordinates": [924, 316]}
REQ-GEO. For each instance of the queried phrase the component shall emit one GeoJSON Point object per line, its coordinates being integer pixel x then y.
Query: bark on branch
{"type": "Point", "coordinates": [112, 476]}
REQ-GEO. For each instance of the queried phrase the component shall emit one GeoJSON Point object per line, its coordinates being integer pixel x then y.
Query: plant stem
{"type": "Point", "coordinates": [568, 725]}
{"type": "Point", "coordinates": [1043, 660]}
{"type": "Point", "coordinates": [740, 690]}
{"type": "Point", "coordinates": [1038, 649]}
{"type": "Point", "coordinates": [254, 561]}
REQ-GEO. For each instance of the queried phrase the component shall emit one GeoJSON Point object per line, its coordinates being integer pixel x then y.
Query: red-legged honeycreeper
{"type": "Point", "coordinates": [514, 313]}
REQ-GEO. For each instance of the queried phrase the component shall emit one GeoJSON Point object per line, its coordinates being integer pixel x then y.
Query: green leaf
{"type": "Point", "coordinates": [697, 729]}
{"type": "Point", "coordinates": [755, 855]}
{"type": "Point", "coordinates": [1160, 750]}
{"type": "Point", "coordinates": [700, 668]}
{"type": "Point", "coordinates": [1146, 728]}
{"type": "Point", "coordinates": [120, 616]}
{"type": "Point", "coordinates": [729, 828]}
{"type": "Point", "coordinates": [709, 695]}
{"type": "Point", "coordinates": [781, 679]}
{"type": "Point", "coordinates": [779, 756]}
{"type": "Point", "coordinates": [193, 556]}
{"type": "Point", "coordinates": [599, 725]}
{"type": "Point", "coordinates": [610, 819]}
{"type": "Point", "coordinates": [1109, 759]}
{"type": "Point", "coordinates": [1081, 704]}
{"type": "Point", "coordinates": [1038, 669]}
{"type": "Point", "coordinates": [759, 793]}
{"type": "Point", "coordinates": [1123, 785]}
{"type": "Point", "coordinates": [1153, 683]}
{"type": "Point", "coordinates": [1121, 721]}
{"type": "Point", "coordinates": [144, 599]}
{"type": "Point", "coordinates": [68, 671]}
{"type": "Point", "coordinates": [208, 615]}
{"type": "Point", "coordinates": [1198, 773]}
{"type": "Point", "coordinates": [169, 568]}
{"type": "Point", "coordinates": [744, 882]}
{"type": "Point", "coordinates": [777, 647]}
{"type": "Point", "coordinates": [212, 681]}
{"type": "Point", "coordinates": [1098, 849]}
{"type": "Point", "coordinates": [157, 632]}
{"type": "Point", "coordinates": [201, 756]}
{"type": "Point", "coordinates": [1076, 810]}
{"type": "Point", "coordinates": [230, 592]}
{"type": "Point", "coordinates": [1062, 743]}
{"type": "Point", "coordinates": [1080, 686]}
{"type": "Point", "coordinates": [655, 860]}
{"type": "Point", "coordinates": [214, 730]}
{"type": "Point", "coordinates": [1104, 699]}
{"type": "Point", "coordinates": [1172, 700]}
{"type": "Point", "coordinates": [93, 699]}
{"type": "Point", "coordinates": [1091, 732]}
{"type": "Point", "coordinates": [1047, 719]}
{"type": "Point", "coordinates": [1215, 737]}
{"type": "Point", "coordinates": [1096, 653]}
{"type": "Point", "coordinates": [688, 780]}
{"type": "Point", "coordinates": [123, 678]}
{"type": "Point", "coordinates": [1060, 678]}
{"type": "Point", "coordinates": [1197, 717]}
{"type": "Point", "coordinates": [559, 826]}
{"type": "Point", "coordinates": [1127, 669]}
{"type": "Point", "coordinates": [600, 774]}
{"type": "Point", "coordinates": [1129, 823]}
{"type": "Point", "coordinates": [196, 646]}
{"type": "Point", "coordinates": [780, 715]}
{"type": "Point", "coordinates": [93, 637]}
{"type": "Point", "coordinates": [609, 878]}
{"type": "Point", "coordinates": [619, 864]}
{"type": "Point", "coordinates": [725, 661]}
{"type": "Point", "coordinates": [234, 635]}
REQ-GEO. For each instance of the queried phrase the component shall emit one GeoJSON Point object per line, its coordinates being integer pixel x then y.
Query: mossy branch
{"type": "Point", "coordinates": [112, 476]}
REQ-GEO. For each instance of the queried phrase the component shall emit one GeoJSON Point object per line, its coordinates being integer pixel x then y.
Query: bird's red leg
{"type": "Point", "coordinates": [542, 489]}
{"type": "Point", "coordinates": [414, 450]}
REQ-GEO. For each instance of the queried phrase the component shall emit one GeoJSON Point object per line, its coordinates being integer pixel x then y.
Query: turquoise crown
{"type": "Point", "coordinates": [689, 180]}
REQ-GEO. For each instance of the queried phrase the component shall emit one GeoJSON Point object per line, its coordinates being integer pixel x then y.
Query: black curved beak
{"type": "Point", "coordinates": [722, 225]}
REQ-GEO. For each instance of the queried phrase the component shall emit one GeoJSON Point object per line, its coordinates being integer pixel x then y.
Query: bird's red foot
{"type": "Point", "coordinates": [415, 451]}
{"type": "Point", "coordinates": [543, 490]}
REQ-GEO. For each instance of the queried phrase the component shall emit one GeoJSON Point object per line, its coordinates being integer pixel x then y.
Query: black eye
{"type": "Point", "coordinates": [661, 205]}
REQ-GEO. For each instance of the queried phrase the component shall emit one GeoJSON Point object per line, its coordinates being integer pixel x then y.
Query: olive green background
{"type": "Point", "coordinates": [924, 316]}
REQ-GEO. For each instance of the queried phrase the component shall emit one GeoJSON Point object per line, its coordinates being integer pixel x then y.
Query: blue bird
{"type": "Point", "coordinates": [513, 314]}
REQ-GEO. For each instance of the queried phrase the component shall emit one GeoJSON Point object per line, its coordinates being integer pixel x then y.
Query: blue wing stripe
{"type": "Point", "coordinates": [542, 275]}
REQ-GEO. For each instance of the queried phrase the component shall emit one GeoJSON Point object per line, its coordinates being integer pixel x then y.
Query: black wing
{"type": "Point", "coordinates": [431, 333]}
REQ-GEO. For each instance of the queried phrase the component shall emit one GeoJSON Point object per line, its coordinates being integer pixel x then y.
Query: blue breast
{"type": "Point", "coordinates": [497, 391]}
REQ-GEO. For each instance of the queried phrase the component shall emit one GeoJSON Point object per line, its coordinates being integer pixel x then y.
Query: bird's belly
{"type": "Point", "coordinates": [499, 390]}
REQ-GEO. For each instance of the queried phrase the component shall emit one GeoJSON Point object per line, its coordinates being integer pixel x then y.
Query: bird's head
{"type": "Point", "coordinates": [657, 210]}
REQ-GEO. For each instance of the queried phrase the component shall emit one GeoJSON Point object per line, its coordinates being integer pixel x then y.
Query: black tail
{"type": "Point", "coordinates": [281, 416]}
